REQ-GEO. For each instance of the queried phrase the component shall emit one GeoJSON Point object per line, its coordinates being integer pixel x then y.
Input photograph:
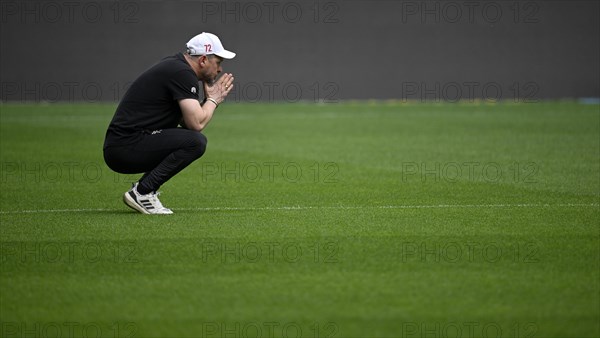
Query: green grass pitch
{"type": "Point", "coordinates": [359, 219]}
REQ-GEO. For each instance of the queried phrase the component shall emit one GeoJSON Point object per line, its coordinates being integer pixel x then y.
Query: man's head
{"type": "Point", "coordinates": [206, 44]}
{"type": "Point", "coordinates": [205, 53]}
{"type": "Point", "coordinates": [207, 67]}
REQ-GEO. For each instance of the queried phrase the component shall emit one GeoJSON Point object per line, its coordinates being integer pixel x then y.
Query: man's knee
{"type": "Point", "coordinates": [198, 144]}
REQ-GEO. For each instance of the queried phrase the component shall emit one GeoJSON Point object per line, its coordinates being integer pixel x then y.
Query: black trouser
{"type": "Point", "coordinates": [159, 156]}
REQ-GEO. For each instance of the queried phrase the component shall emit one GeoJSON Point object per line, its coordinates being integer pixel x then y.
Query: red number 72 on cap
{"type": "Point", "coordinates": [208, 48]}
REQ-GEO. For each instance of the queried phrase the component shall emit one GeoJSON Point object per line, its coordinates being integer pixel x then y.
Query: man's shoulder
{"type": "Point", "coordinates": [175, 62]}
{"type": "Point", "coordinates": [173, 67]}
{"type": "Point", "coordinates": [167, 66]}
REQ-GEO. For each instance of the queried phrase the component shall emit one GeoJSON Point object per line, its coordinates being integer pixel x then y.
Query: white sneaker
{"type": "Point", "coordinates": [146, 204]}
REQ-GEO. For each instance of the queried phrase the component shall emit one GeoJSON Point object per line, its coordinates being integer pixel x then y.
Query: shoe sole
{"type": "Point", "coordinates": [130, 202]}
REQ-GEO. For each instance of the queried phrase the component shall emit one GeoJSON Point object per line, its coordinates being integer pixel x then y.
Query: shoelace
{"type": "Point", "coordinates": [154, 200]}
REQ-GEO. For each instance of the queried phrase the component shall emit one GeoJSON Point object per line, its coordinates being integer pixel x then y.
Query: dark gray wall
{"type": "Point", "coordinates": [310, 50]}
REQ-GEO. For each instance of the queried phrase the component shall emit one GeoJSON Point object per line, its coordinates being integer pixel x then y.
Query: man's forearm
{"type": "Point", "coordinates": [208, 109]}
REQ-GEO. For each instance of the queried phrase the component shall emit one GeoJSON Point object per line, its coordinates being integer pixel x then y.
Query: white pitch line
{"type": "Point", "coordinates": [42, 211]}
{"type": "Point", "coordinates": [296, 208]}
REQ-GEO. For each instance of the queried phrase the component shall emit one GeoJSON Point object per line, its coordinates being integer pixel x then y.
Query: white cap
{"type": "Point", "coordinates": [206, 44]}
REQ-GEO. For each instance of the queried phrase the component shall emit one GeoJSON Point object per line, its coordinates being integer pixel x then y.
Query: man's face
{"type": "Point", "coordinates": [211, 67]}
